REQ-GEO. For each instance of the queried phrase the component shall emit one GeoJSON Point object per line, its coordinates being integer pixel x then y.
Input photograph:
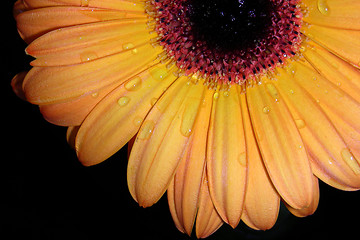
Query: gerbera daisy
{"type": "Point", "coordinates": [231, 105]}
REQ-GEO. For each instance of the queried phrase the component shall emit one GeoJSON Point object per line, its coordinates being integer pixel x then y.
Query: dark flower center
{"type": "Point", "coordinates": [231, 41]}
{"type": "Point", "coordinates": [229, 24]}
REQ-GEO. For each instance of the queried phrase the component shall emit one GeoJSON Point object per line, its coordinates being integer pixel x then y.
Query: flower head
{"type": "Point", "coordinates": [230, 106]}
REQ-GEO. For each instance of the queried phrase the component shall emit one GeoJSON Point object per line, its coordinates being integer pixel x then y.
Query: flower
{"type": "Point", "coordinates": [228, 118]}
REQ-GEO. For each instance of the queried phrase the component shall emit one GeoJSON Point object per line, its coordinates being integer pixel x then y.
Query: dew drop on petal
{"type": "Point", "coordinates": [300, 123]}
{"type": "Point", "coordinates": [350, 161]}
{"type": "Point", "coordinates": [266, 110]}
{"type": "Point", "coordinates": [88, 56]}
{"type": "Point", "coordinates": [138, 120]}
{"type": "Point", "coordinates": [133, 84]}
{"type": "Point", "coordinates": [242, 159]}
{"type": "Point", "coordinates": [146, 129]}
{"type": "Point", "coordinates": [128, 46]}
{"type": "Point", "coordinates": [323, 7]}
{"type": "Point", "coordinates": [271, 89]}
{"type": "Point", "coordinates": [216, 96]}
{"type": "Point", "coordinates": [188, 119]}
{"type": "Point", "coordinates": [159, 73]}
{"type": "Point", "coordinates": [135, 51]}
{"type": "Point", "coordinates": [85, 3]}
{"type": "Point", "coordinates": [123, 101]}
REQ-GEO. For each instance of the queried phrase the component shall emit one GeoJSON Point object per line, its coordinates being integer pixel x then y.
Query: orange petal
{"type": "Point", "coordinates": [262, 202]}
{"type": "Point", "coordinates": [161, 141]}
{"type": "Point", "coordinates": [57, 84]}
{"type": "Point", "coordinates": [71, 135]}
{"type": "Point", "coordinates": [335, 13]}
{"type": "Point", "coordinates": [339, 72]}
{"type": "Point", "coordinates": [183, 193]}
{"type": "Point", "coordinates": [207, 220]}
{"type": "Point", "coordinates": [16, 84]}
{"type": "Point", "coordinates": [226, 156]}
{"type": "Point", "coordinates": [87, 42]}
{"type": "Point", "coordinates": [347, 78]}
{"type": "Point", "coordinates": [280, 145]}
{"type": "Point", "coordinates": [341, 42]}
{"type": "Point", "coordinates": [344, 113]}
{"type": "Point", "coordinates": [117, 118]}
{"type": "Point", "coordinates": [73, 112]}
{"type": "Point", "coordinates": [34, 23]}
{"type": "Point", "coordinates": [19, 7]}
{"type": "Point", "coordinates": [313, 206]}
{"type": "Point", "coordinates": [124, 5]}
{"type": "Point", "coordinates": [322, 140]}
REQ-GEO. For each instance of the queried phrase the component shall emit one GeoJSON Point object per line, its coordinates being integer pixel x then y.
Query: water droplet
{"type": "Point", "coordinates": [159, 73]}
{"type": "Point", "coordinates": [216, 96]}
{"type": "Point", "coordinates": [128, 46]}
{"type": "Point", "coordinates": [226, 94]}
{"type": "Point", "coordinates": [95, 94]}
{"type": "Point", "coordinates": [88, 56]}
{"type": "Point", "coordinates": [242, 159]}
{"type": "Point", "coordinates": [188, 119]}
{"type": "Point", "coordinates": [323, 7]}
{"type": "Point", "coordinates": [85, 3]}
{"type": "Point", "coordinates": [291, 91]}
{"type": "Point", "coordinates": [133, 84]}
{"type": "Point", "coordinates": [266, 110]}
{"type": "Point", "coordinates": [123, 101]}
{"type": "Point", "coordinates": [138, 121]}
{"type": "Point", "coordinates": [146, 129]}
{"type": "Point", "coordinates": [350, 161]}
{"type": "Point", "coordinates": [300, 123]}
{"type": "Point", "coordinates": [135, 51]}
{"type": "Point", "coordinates": [271, 89]}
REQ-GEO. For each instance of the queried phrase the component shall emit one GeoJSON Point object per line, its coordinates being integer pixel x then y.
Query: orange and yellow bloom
{"type": "Point", "coordinates": [227, 136]}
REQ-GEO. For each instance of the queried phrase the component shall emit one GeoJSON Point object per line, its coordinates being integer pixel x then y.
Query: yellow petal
{"type": "Point", "coordinates": [226, 156]}
{"type": "Point", "coordinates": [161, 141]}
{"type": "Point", "coordinates": [207, 220]}
{"type": "Point", "coordinates": [313, 206]}
{"type": "Point", "coordinates": [58, 84]}
{"type": "Point", "coordinates": [341, 42]}
{"type": "Point", "coordinates": [117, 118]}
{"type": "Point", "coordinates": [322, 140]}
{"type": "Point", "coordinates": [34, 23]}
{"type": "Point", "coordinates": [280, 145]}
{"type": "Point", "coordinates": [88, 42]}
{"type": "Point", "coordinates": [344, 113]}
{"type": "Point", "coordinates": [262, 202]}
{"type": "Point", "coordinates": [333, 13]}
{"type": "Point", "coordinates": [183, 193]}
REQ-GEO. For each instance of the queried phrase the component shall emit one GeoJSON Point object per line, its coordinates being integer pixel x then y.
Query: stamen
{"type": "Point", "coordinates": [199, 51]}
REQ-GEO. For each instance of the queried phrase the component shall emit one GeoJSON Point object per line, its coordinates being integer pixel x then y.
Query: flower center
{"type": "Point", "coordinates": [229, 24]}
{"type": "Point", "coordinates": [228, 41]}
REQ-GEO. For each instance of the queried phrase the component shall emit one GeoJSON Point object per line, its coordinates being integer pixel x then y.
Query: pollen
{"type": "Point", "coordinates": [227, 41]}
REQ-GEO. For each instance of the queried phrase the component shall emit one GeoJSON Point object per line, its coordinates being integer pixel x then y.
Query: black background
{"type": "Point", "coordinates": [47, 194]}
